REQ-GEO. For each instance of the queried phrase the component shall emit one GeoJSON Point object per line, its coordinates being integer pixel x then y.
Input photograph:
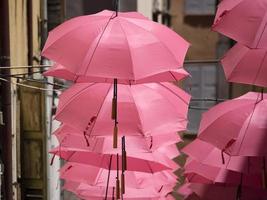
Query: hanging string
{"type": "Point", "coordinates": [109, 170]}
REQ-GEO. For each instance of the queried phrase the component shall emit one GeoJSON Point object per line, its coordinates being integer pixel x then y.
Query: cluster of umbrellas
{"type": "Point", "coordinates": [228, 159]}
{"type": "Point", "coordinates": [120, 118]}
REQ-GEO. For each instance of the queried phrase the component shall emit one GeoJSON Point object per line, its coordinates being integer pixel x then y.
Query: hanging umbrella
{"type": "Point", "coordinates": [102, 145]}
{"type": "Point", "coordinates": [69, 136]}
{"type": "Point", "coordinates": [210, 155]}
{"type": "Point", "coordinates": [222, 124]}
{"type": "Point", "coordinates": [243, 21]}
{"type": "Point", "coordinates": [127, 47]}
{"type": "Point", "coordinates": [195, 170]}
{"type": "Point", "coordinates": [143, 110]}
{"type": "Point", "coordinates": [244, 65]}
{"type": "Point", "coordinates": [142, 162]}
{"type": "Point", "coordinates": [61, 72]}
{"type": "Point", "coordinates": [85, 190]}
{"type": "Point", "coordinates": [95, 176]}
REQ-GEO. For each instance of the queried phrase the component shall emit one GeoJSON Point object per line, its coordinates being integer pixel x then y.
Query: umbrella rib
{"type": "Point", "coordinates": [99, 111]}
{"type": "Point", "coordinates": [138, 114]}
{"type": "Point", "coordinates": [98, 42]}
{"type": "Point", "coordinates": [174, 93]}
{"type": "Point", "coordinates": [250, 118]}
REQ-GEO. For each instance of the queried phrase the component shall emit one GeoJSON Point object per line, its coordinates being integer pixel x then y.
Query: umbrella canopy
{"type": "Point", "coordinates": [69, 136]}
{"type": "Point", "coordinates": [243, 21]}
{"type": "Point", "coordinates": [244, 65]}
{"type": "Point", "coordinates": [145, 110]}
{"type": "Point", "coordinates": [142, 162]}
{"type": "Point", "coordinates": [222, 124]}
{"type": "Point", "coordinates": [210, 155]}
{"type": "Point", "coordinates": [127, 47]}
{"type": "Point", "coordinates": [95, 176]}
{"type": "Point", "coordinates": [194, 169]}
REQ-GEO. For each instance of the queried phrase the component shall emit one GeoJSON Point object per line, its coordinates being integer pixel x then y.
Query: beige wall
{"type": "Point", "coordinates": [203, 40]}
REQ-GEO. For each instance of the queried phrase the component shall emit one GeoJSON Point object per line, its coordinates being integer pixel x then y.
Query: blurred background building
{"type": "Point", "coordinates": [26, 113]}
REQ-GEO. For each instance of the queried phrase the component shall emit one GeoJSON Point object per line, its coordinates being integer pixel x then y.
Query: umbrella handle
{"type": "Point", "coordinates": [115, 137]}
{"type": "Point", "coordinates": [122, 183]}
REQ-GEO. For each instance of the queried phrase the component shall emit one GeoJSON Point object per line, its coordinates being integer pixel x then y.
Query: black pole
{"type": "Point", "coordinates": [109, 169]}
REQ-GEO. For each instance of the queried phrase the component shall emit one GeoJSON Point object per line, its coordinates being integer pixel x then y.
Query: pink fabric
{"type": "Point", "coordinates": [142, 162]}
{"type": "Point", "coordinates": [146, 110]}
{"type": "Point", "coordinates": [98, 176]}
{"type": "Point", "coordinates": [244, 21]}
{"type": "Point", "coordinates": [61, 72]}
{"type": "Point", "coordinates": [71, 137]}
{"type": "Point", "coordinates": [244, 65]}
{"type": "Point", "coordinates": [128, 47]}
{"type": "Point", "coordinates": [209, 155]}
{"type": "Point", "coordinates": [233, 114]}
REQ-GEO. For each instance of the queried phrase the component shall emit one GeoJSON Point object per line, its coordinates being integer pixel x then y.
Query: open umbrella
{"type": "Point", "coordinates": [210, 155]}
{"type": "Point", "coordinates": [61, 72]}
{"type": "Point", "coordinates": [85, 190]}
{"type": "Point", "coordinates": [222, 124]}
{"type": "Point", "coordinates": [243, 21]}
{"type": "Point", "coordinates": [113, 45]}
{"type": "Point", "coordinates": [143, 110]}
{"type": "Point", "coordinates": [142, 162]}
{"type": "Point", "coordinates": [244, 65]}
{"type": "Point", "coordinates": [195, 170]}
{"type": "Point", "coordinates": [95, 176]}
{"type": "Point", "coordinates": [69, 136]}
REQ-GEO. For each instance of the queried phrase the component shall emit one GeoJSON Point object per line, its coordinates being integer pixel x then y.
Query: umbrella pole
{"type": "Point", "coordinates": [117, 180]}
{"type": "Point", "coordinates": [264, 178]}
{"type": "Point", "coordinates": [123, 165]}
{"type": "Point", "coordinates": [115, 114]}
{"type": "Point", "coordinates": [109, 169]}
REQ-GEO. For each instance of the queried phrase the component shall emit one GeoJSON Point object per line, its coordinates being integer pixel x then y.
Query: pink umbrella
{"type": "Point", "coordinates": [210, 155]}
{"type": "Point", "coordinates": [95, 176]}
{"type": "Point", "coordinates": [145, 110]}
{"type": "Point", "coordinates": [222, 124]}
{"type": "Point", "coordinates": [244, 65]}
{"type": "Point", "coordinates": [68, 136]}
{"type": "Point", "coordinates": [193, 169]}
{"type": "Point", "coordinates": [218, 192]}
{"type": "Point", "coordinates": [85, 190]}
{"type": "Point", "coordinates": [142, 162]}
{"type": "Point", "coordinates": [61, 72]}
{"type": "Point", "coordinates": [126, 46]}
{"type": "Point", "coordinates": [243, 21]}
{"type": "Point", "coordinates": [102, 145]}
